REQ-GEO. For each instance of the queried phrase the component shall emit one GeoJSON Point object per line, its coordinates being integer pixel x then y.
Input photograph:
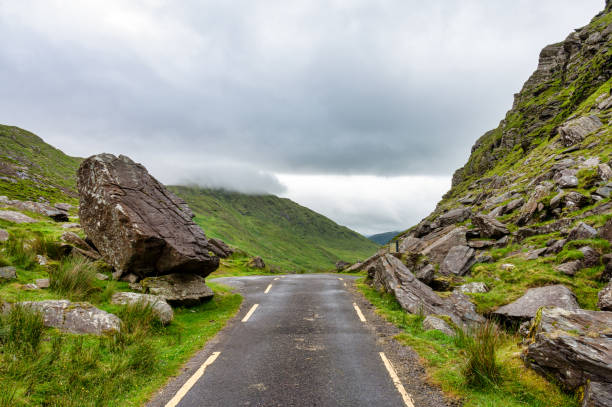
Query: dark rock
{"type": "Point", "coordinates": [8, 273]}
{"type": "Point", "coordinates": [606, 275]}
{"type": "Point", "coordinates": [503, 242]}
{"type": "Point", "coordinates": [76, 241]}
{"type": "Point", "coordinates": [591, 257]}
{"type": "Point", "coordinates": [136, 223]}
{"type": "Point", "coordinates": [341, 265]}
{"type": "Point", "coordinates": [220, 248]}
{"type": "Point", "coordinates": [431, 323]}
{"type": "Point", "coordinates": [178, 289]}
{"type": "Point", "coordinates": [472, 234]}
{"type": "Point", "coordinates": [555, 247]}
{"type": "Point", "coordinates": [606, 231]}
{"type": "Point", "coordinates": [528, 305]}
{"type": "Point", "coordinates": [438, 250]}
{"type": "Point", "coordinates": [605, 298]}
{"type": "Point", "coordinates": [458, 261]}
{"type": "Point", "coordinates": [481, 244]}
{"type": "Point", "coordinates": [489, 227]}
{"type": "Point", "coordinates": [574, 131]}
{"type": "Point", "coordinates": [159, 306]}
{"type": "Point", "coordinates": [257, 263]}
{"type": "Point", "coordinates": [597, 394]}
{"type": "Point", "coordinates": [426, 274]}
{"type": "Point", "coordinates": [581, 231]}
{"type": "Point", "coordinates": [570, 268]}
{"type": "Point", "coordinates": [574, 346]}
{"type": "Point", "coordinates": [485, 258]}
{"type": "Point", "coordinates": [453, 216]}
{"type": "Point", "coordinates": [513, 205]}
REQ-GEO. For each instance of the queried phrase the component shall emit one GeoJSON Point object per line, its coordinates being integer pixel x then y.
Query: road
{"type": "Point", "coordinates": [299, 340]}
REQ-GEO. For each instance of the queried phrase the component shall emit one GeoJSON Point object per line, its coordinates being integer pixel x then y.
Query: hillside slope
{"type": "Point", "coordinates": [281, 231]}
{"type": "Point", "coordinates": [383, 238]}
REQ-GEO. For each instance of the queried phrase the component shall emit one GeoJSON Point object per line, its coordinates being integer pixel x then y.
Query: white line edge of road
{"type": "Point", "coordinates": [396, 381]}
{"type": "Point", "coordinates": [359, 313]}
{"type": "Point", "coordinates": [340, 278]}
{"type": "Point", "coordinates": [268, 289]}
{"type": "Point", "coordinates": [192, 380]}
{"type": "Point", "coordinates": [248, 315]}
{"type": "Point", "coordinates": [275, 278]}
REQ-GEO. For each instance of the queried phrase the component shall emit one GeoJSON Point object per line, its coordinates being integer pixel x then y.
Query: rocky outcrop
{"type": "Point", "coordinates": [472, 288]}
{"type": "Point", "coordinates": [431, 323]}
{"type": "Point", "coordinates": [341, 265]}
{"type": "Point", "coordinates": [604, 302]}
{"type": "Point", "coordinates": [458, 261]}
{"type": "Point", "coordinates": [220, 248]}
{"type": "Point", "coordinates": [158, 305]}
{"type": "Point", "coordinates": [178, 289]}
{"type": "Point", "coordinates": [54, 213]}
{"type": "Point", "coordinates": [528, 305]}
{"type": "Point", "coordinates": [73, 317]}
{"type": "Point", "coordinates": [575, 130]}
{"type": "Point", "coordinates": [574, 346]}
{"type": "Point", "coordinates": [582, 231]}
{"type": "Point", "coordinates": [139, 226]}
{"type": "Point", "coordinates": [257, 263]}
{"type": "Point", "coordinates": [531, 206]}
{"type": "Point", "coordinates": [16, 217]}
{"type": "Point", "coordinates": [438, 250]}
{"type": "Point", "coordinates": [489, 227]}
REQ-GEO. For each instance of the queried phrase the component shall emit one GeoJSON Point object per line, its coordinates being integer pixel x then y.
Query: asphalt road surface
{"type": "Point", "coordinates": [299, 340]}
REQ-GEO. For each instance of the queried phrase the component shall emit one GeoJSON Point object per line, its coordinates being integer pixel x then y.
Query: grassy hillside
{"type": "Point", "coordinates": [281, 231]}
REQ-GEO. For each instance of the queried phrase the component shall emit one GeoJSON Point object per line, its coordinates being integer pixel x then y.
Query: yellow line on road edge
{"type": "Point", "coordinates": [248, 315]}
{"type": "Point", "coordinates": [276, 278]}
{"type": "Point", "coordinates": [192, 380]}
{"type": "Point", "coordinates": [268, 289]}
{"type": "Point", "coordinates": [359, 314]}
{"type": "Point", "coordinates": [396, 381]}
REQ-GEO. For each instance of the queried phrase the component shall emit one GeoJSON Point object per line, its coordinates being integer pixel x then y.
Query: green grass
{"type": "Point", "coordinates": [74, 278]}
{"type": "Point", "coordinates": [445, 359]}
{"type": "Point", "coordinates": [282, 232]}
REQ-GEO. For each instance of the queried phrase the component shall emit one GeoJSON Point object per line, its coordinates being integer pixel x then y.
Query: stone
{"type": "Point", "coordinates": [453, 216]}
{"type": "Point", "coordinates": [573, 346]}
{"type": "Point", "coordinates": [363, 264]}
{"type": "Point", "coordinates": [597, 394]}
{"type": "Point", "coordinates": [178, 289]}
{"type": "Point", "coordinates": [604, 191]}
{"type": "Point", "coordinates": [42, 260]}
{"type": "Point", "coordinates": [101, 277]}
{"type": "Point", "coordinates": [555, 247]}
{"type": "Point", "coordinates": [71, 225]}
{"type": "Point", "coordinates": [531, 206]}
{"type": "Point", "coordinates": [159, 306]}
{"type": "Point", "coordinates": [606, 231]}
{"type": "Point", "coordinates": [75, 317]}
{"type": "Point", "coordinates": [74, 239]}
{"type": "Point", "coordinates": [472, 288]}
{"type": "Point", "coordinates": [220, 248]}
{"type": "Point", "coordinates": [581, 231]}
{"type": "Point", "coordinates": [63, 206]}
{"type": "Point", "coordinates": [341, 265]}
{"type": "Point", "coordinates": [591, 257]}
{"type": "Point", "coordinates": [42, 283]}
{"type": "Point", "coordinates": [16, 217]}
{"type": "Point", "coordinates": [257, 263]}
{"type": "Point", "coordinates": [574, 131]}
{"type": "Point", "coordinates": [411, 244]}
{"type": "Point", "coordinates": [604, 302]}
{"type": "Point", "coordinates": [30, 287]}
{"type": "Point", "coordinates": [37, 207]}
{"type": "Point", "coordinates": [8, 273]}
{"type": "Point", "coordinates": [458, 261]}
{"type": "Point", "coordinates": [485, 258]}
{"type": "Point", "coordinates": [390, 275]}
{"type": "Point", "coordinates": [575, 200]}
{"type": "Point", "coordinates": [535, 254]}
{"type": "Point", "coordinates": [567, 181]}
{"type": "Point", "coordinates": [136, 223]}
{"type": "Point", "coordinates": [462, 305]}
{"type": "Point", "coordinates": [513, 205]}
{"type": "Point", "coordinates": [502, 242]}
{"type": "Point", "coordinates": [528, 305]}
{"type": "Point", "coordinates": [426, 274]}
{"type": "Point", "coordinates": [489, 227]}
{"type": "Point", "coordinates": [481, 244]}
{"type": "Point", "coordinates": [606, 274]}
{"type": "Point", "coordinates": [507, 266]}
{"type": "Point", "coordinates": [4, 235]}
{"type": "Point", "coordinates": [431, 323]}
{"type": "Point", "coordinates": [438, 250]}
{"type": "Point", "coordinates": [569, 268]}
{"type": "Point", "coordinates": [604, 172]}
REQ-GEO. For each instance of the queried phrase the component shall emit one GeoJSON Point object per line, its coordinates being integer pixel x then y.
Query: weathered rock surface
{"type": "Point", "coordinates": [42, 283]}
{"type": "Point", "coordinates": [453, 216]}
{"type": "Point", "coordinates": [159, 306]}
{"type": "Point", "coordinates": [581, 231]}
{"type": "Point", "coordinates": [16, 217]}
{"type": "Point", "coordinates": [438, 250]}
{"type": "Point", "coordinates": [431, 323]}
{"type": "Point", "coordinates": [178, 289]}
{"type": "Point", "coordinates": [575, 346]}
{"type": "Point", "coordinates": [341, 265]}
{"type": "Point", "coordinates": [220, 248]}
{"type": "Point", "coordinates": [8, 273]}
{"type": "Point", "coordinates": [570, 268]}
{"type": "Point", "coordinates": [472, 288]}
{"type": "Point", "coordinates": [458, 261]}
{"type": "Point", "coordinates": [75, 317]}
{"type": "Point", "coordinates": [74, 239]}
{"type": "Point", "coordinates": [591, 257]}
{"type": "Point", "coordinates": [606, 231]}
{"type": "Point", "coordinates": [528, 305]}
{"type": "Point", "coordinates": [363, 264]}
{"type": "Point", "coordinates": [56, 214]}
{"type": "Point", "coordinates": [597, 394]}
{"type": "Point", "coordinates": [257, 263]}
{"type": "Point", "coordinates": [605, 298]}
{"type": "Point", "coordinates": [531, 206]}
{"type": "Point", "coordinates": [136, 223]}
{"type": "Point", "coordinates": [575, 130]}
{"type": "Point", "coordinates": [426, 274]}
{"type": "Point", "coordinates": [489, 226]}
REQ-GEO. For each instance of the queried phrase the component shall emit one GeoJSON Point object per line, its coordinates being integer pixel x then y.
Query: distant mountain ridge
{"type": "Point", "coordinates": [383, 238]}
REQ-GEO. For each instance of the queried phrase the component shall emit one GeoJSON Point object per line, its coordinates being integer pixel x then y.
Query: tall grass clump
{"type": "Point", "coordinates": [21, 330]}
{"type": "Point", "coordinates": [480, 344]}
{"type": "Point", "coordinates": [138, 320]}
{"type": "Point", "coordinates": [42, 244]}
{"type": "Point", "coordinates": [74, 277]}
{"type": "Point", "coordinates": [20, 252]}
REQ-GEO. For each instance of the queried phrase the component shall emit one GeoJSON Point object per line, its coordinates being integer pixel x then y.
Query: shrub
{"type": "Point", "coordinates": [480, 344]}
{"type": "Point", "coordinates": [21, 329]}
{"type": "Point", "coordinates": [75, 277]}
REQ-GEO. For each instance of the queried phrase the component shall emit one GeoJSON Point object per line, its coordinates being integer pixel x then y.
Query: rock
{"type": "Point", "coordinates": [513, 205]}
{"type": "Point", "coordinates": [4, 235]}
{"type": "Point", "coordinates": [74, 239]}
{"type": "Point", "coordinates": [472, 288]}
{"type": "Point", "coordinates": [71, 225]}
{"type": "Point", "coordinates": [389, 274]}
{"type": "Point", "coordinates": [42, 260]}
{"type": "Point", "coordinates": [63, 206]}
{"type": "Point", "coordinates": [257, 263]}
{"type": "Point", "coordinates": [42, 283]}
{"type": "Point", "coordinates": [16, 217]}
{"type": "Point", "coordinates": [462, 305]}
{"type": "Point", "coordinates": [489, 227]}
{"type": "Point", "coordinates": [605, 191]}
{"type": "Point", "coordinates": [606, 275]}
{"type": "Point", "coordinates": [458, 261]}
{"type": "Point", "coordinates": [159, 306]}
{"type": "Point", "coordinates": [555, 247]}
{"type": "Point", "coordinates": [528, 305]}
{"type": "Point", "coordinates": [431, 323]}
{"type": "Point", "coordinates": [411, 244]}
{"type": "Point", "coordinates": [574, 131]}
{"type": "Point", "coordinates": [438, 250]}
{"type": "Point", "coordinates": [604, 172]}
{"type": "Point", "coordinates": [101, 277]}
{"type": "Point", "coordinates": [481, 244]}
{"type": "Point", "coordinates": [220, 248]}
{"type": "Point", "coordinates": [453, 216]}
{"type": "Point", "coordinates": [606, 231]}
{"type": "Point", "coordinates": [136, 223]}
{"type": "Point", "coordinates": [362, 265]}
{"type": "Point", "coordinates": [341, 265]}
{"type": "Point", "coordinates": [597, 394]}
{"type": "Point", "coordinates": [30, 287]}
{"type": "Point", "coordinates": [573, 346]}
{"type": "Point", "coordinates": [178, 289]}
{"type": "Point", "coordinates": [575, 200]}
{"type": "Point", "coordinates": [484, 258]}
{"type": "Point", "coordinates": [75, 317]}
{"type": "Point", "coordinates": [570, 268]}
{"type": "Point", "coordinates": [535, 254]}
{"type": "Point", "coordinates": [507, 266]}
{"type": "Point", "coordinates": [37, 207]}
{"type": "Point", "coordinates": [8, 273]}
{"type": "Point", "coordinates": [426, 274]}
{"type": "Point", "coordinates": [581, 231]}
{"type": "Point", "coordinates": [503, 242]}
{"type": "Point", "coordinates": [605, 298]}
{"type": "Point", "coordinates": [531, 206]}
{"type": "Point", "coordinates": [567, 181]}
{"type": "Point", "coordinates": [591, 257]}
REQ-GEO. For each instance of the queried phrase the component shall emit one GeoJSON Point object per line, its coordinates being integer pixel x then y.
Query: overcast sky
{"type": "Point", "coordinates": [358, 109]}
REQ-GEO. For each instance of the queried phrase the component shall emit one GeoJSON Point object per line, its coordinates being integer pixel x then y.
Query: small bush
{"type": "Point", "coordinates": [75, 277]}
{"type": "Point", "coordinates": [21, 330]}
{"type": "Point", "coordinates": [481, 369]}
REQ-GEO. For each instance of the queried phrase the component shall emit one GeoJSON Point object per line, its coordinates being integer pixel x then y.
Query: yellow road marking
{"type": "Point", "coordinates": [340, 278]}
{"type": "Point", "coordinates": [345, 284]}
{"type": "Point", "coordinates": [276, 278]}
{"type": "Point", "coordinates": [396, 381]}
{"type": "Point", "coordinates": [268, 289]}
{"type": "Point", "coordinates": [248, 315]}
{"type": "Point", "coordinates": [359, 314]}
{"type": "Point", "coordinates": [192, 380]}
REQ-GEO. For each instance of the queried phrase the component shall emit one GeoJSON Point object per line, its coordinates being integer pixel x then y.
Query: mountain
{"type": "Point", "coordinates": [279, 230]}
{"type": "Point", "coordinates": [383, 238]}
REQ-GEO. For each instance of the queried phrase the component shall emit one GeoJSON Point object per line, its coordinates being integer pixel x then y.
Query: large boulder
{"type": "Point", "coordinates": [438, 250]}
{"type": "Point", "coordinates": [574, 346]}
{"type": "Point", "coordinates": [139, 226]}
{"type": "Point", "coordinates": [453, 216]}
{"type": "Point", "coordinates": [489, 227]}
{"type": "Point", "coordinates": [16, 217]}
{"type": "Point", "coordinates": [605, 298]}
{"type": "Point", "coordinates": [159, 306]}
{"type": "Point", "coordinates": [531, 206]}
{"type": "Point", "coordinates": [257, 263]}
{"type": "Point", "coordinates": [178, 289]}
{"type": "Point", "coordinates": [528, 305]}
{"type": "Point", "coordinates": [74, 317]}
{"type": "Point", "coordinates": [575, 130]}
{"type": "Point", "coordinates": [431, 323]}
{"type": "Point", "coordinates": [362, 265]}
{"type": "Point", "coordinates": [458, 261]}
{"type": "Point", "coordinates": [581, 231]}
{"type": "Point", "coordinates": [220, 248]}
